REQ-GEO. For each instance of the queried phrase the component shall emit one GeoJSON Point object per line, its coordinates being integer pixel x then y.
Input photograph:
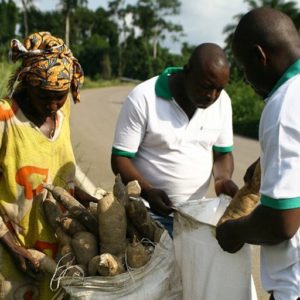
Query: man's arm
{"type": "Point", "coordinates": [158, 199]}
{"type": "Point", "coordinates": [222, 170]}
{"type": "Point", "coordinates": [264, 225]}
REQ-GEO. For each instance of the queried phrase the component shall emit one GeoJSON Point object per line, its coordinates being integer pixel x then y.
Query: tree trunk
{"type": "Point", "coordinates": [25, 17]}
{"type": "Point", "coordinates": [67, 31]}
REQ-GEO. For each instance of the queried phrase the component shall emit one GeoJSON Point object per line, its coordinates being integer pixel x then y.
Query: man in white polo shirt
{"type": "Point", "coordinates": [267, 46]}
{"type": "Point", "coordinates": [175, 129]}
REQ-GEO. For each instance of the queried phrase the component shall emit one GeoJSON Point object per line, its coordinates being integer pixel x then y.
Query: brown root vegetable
{"type": "Point", "coordinates": [112, 225]}
{"type": "Point", "coordinates": [133, 189]}
{"type": "Point", "coordinates": [137, 255]}
{"type": "Point", "coordinates": [110, 265]}
{"type": "Point", "coordinates": [132, 231]}
{"type": "Point", "coordinates": [85, 247]}
{"type": "Point", "coordinates": [119, 190]}
{"type": "Point", "coordinates": [51, 210]}
{"type": "Point", "coordinates": [139, 216]}
{"type": "Point", "coordinates": [70, 225]}
{"type": "Point", "coordinates": [244, 200]}
{"type": "Point", "coordinates": [65, 246]}
{"type": "Point", "coordinates": [76, 209]}
{"type": "Point", "coordinates": [46, 263]}
{"type": "Point", "coordinates": [93, 265]}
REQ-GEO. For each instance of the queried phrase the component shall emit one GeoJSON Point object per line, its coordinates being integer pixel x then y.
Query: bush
{"type": "Point", "coordinates": [246, 107]}
{"type": "Point", "coordinates": [6, 69]}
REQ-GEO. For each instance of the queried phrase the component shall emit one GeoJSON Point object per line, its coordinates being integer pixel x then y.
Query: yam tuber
{"type": "Point", "coordinates": [119, 190]}
{"type": "Point", "coordinates": [139, 216]}
{"type": "Point", "coordinates": [110, 265]}
{"type": "Point", "coordinates": [93, 265]}
{"type": "Point", "coordinates": [85, 247]}
{"type": "Point", "coordinates": [51, 210]}
{"type": "Point", "coordinates": [133, 189]}
{"type": "Point", "coordinates": [75, 208]}
{"type": "Point", "coordinates": [46, 263]}
{"type": "Point", "coordinates": [70, 225]}
{"type": "Point", "coordinates": [112, 225]}
{"type": "Point", "coordinates": [137, 255]}
{"type": "Point", "coordinates": [244, 200]}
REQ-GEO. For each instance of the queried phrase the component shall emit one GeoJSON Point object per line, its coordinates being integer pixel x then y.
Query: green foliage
{"type": "Point", "coordinates": [93, 56]}
{"type": "Point", "coordinates": [6, 69]}
{"type": "Point", "coordinates": [287, 7]}
{"type": "Point", "coordinates": [44, 21]}
{"type": "Point", "coordinates": [246, 108]}
{"type": "Point", "coordinates": [9, 19]}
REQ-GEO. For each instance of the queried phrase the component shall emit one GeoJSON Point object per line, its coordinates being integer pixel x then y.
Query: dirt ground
{"type": "Point", "coordinates": [92, 129]}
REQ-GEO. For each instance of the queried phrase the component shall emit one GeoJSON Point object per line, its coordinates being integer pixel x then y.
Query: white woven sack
{"type": "Point", "coordinates": [209, 273]}
{"type": "Point", "coordinates": [159, 279]}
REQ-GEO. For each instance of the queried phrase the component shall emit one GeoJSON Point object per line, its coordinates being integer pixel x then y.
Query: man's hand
{"type": "Point", "coordinates": [226, 237]}
{"type": "Point", "coordinates": [225, 186]}
{"type": "Point", "coordinates": [159, 201]}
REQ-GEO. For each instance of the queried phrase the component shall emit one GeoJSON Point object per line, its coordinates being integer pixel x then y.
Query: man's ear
{"type": "Point", "coordinates": [260, 54]}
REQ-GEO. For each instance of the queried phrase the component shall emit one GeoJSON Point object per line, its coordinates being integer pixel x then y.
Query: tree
{"type": "Point", "coordinates": [44, 21]}
{"type": "Point", "coordinates": [118, 12]}
{"type": "Point", "coordinates": [288, 7]}
{"type": "Point", "coordinates": [151, 17]}
{"type": "Point", "coordinates": [26, 4]}
{"type": "Point", "coordinates": [9, 18]}
{"type": "Point", "coordinates": [67, 7]}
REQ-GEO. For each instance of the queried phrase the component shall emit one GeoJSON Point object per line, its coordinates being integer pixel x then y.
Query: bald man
{"type": "Point", "coordinates": [175, 130]}
{"type": "Point", "coordinates": [266, 45]}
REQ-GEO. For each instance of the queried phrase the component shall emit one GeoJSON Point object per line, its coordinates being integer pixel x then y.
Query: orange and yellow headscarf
{"type": "Point", "coordinates": [47, 63]}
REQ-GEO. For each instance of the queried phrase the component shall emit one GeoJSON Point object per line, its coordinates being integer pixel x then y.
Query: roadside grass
{"type": "Point", "coordinates": [98, 83]}
{"type": "Point", "coordinates": [6, 69]}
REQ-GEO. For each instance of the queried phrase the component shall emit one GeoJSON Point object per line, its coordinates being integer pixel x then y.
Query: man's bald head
{"type": "Point", "coordinates": [267, 27]}
{"type": "Point", "coordinates": [265, 43]}
{"type": "Point", "coordinates": [207, 56]}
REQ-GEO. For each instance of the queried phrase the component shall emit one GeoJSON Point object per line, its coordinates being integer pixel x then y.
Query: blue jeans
{"type": "Point", "coordinates": [167, 222]}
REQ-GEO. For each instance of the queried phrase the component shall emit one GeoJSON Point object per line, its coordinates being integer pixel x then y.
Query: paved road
{"type": "Point", "coordinates": [93, 121]}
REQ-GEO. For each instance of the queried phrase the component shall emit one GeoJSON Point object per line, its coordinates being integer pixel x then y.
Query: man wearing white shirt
{"type": "Point", "coordinates": [266, 44]}
{"type": "Point", "coordinates": [175, 130]}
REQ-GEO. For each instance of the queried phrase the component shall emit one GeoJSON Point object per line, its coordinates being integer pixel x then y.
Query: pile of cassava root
{"type": "Point", "coordinates": [105, 239]}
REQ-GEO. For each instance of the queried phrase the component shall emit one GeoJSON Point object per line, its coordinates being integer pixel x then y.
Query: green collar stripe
{"type": "Point", "coordinates": [293, 70]}
{"type": "Point", "coordinates": [123, 153]}
{"type": "Point", "coordinates": [223, 149]}
{"type": "Point", "coordinates": [162, 88]}
{"type": "Point", "coordinates": [280, 204]}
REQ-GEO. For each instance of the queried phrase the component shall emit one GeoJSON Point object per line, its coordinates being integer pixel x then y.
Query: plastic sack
{"type": "Point", "coordinates": [208, 272]}
{"type": "Point", "coordinates": [159, 279]}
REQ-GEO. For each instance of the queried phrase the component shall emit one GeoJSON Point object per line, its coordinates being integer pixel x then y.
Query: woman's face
{"type": "Point", "coordinates": [46, 102]}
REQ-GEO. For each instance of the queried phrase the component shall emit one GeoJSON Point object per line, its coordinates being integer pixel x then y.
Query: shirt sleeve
{"type": "Point", "coordinates": [131, 126]}
{"type": "Point", "coordinates": [281, 163]}
{"type": "Point", "coordinates": [224, 142]}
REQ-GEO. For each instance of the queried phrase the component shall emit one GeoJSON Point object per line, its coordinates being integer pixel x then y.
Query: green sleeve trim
{"type": "Point", "coordinates": [123, 153]}
{"type": "Point", "coordinates": [223, 149]}
{"type": "Point", "coordinates": [281, 204]}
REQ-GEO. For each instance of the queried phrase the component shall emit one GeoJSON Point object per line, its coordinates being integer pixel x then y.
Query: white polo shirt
{"type": "Point", "coordinates": [172, 152]}
{"type": "Point", "coordinates": [279, 135]}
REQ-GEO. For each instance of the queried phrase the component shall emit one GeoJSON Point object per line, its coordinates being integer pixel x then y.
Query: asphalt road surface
{"type": "Point", "coordinates": [92, 130]}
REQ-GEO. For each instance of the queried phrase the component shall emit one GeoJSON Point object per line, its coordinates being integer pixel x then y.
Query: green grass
{"type": "Point", "coordinates": [90, 84]}
{"type": "Point", "coordinates": [6, 69]}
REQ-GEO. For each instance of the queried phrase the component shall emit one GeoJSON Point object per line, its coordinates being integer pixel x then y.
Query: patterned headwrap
{"type": "Point", "coordinates": [47, 63]}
